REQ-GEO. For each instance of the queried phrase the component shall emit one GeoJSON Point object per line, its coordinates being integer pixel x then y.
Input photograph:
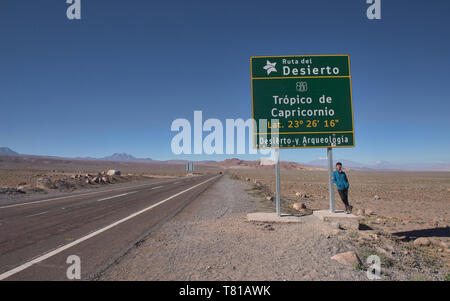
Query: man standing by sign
{"type": "Point", "coordinates": [341, 181]}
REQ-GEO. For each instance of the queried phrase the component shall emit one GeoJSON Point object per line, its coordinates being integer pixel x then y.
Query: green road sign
{"type": "Point", "coordinates": [306, 99]}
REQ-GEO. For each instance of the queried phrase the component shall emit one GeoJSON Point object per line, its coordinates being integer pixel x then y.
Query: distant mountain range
{"type": "Point", "coordinates": [114, 157]}
{"type": "Point", "coordinates": [123, 157]}
{"type": "Point", "coordinates": [7, 151]}
{"type": "Point", "coordinates": [320, 162]}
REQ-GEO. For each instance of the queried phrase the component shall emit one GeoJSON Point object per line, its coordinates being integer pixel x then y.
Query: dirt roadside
{"type": "Point", "coordinates": [211, 240]}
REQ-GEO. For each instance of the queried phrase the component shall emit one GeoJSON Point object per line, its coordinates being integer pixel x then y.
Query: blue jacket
{"type": "Point", "coordinates": [340, 179]}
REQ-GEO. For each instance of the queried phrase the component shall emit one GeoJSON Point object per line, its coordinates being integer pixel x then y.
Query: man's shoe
{"type": "Point", "coordinates": [349, 209]}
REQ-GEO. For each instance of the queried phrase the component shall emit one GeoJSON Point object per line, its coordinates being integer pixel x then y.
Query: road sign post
{"type": "Point", "coordinates": [302, 102]}
{"type": "Point", "coordinates": [277, 176]}
{"type": "Point", "coordinates": [330, 175]}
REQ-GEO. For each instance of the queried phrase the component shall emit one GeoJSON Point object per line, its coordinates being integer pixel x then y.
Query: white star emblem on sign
{"type": "Point", "coordinates": [270, 67]}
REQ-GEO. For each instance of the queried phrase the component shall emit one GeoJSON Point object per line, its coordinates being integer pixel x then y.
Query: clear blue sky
{"type": "Point", "coordinates": [114, 81]}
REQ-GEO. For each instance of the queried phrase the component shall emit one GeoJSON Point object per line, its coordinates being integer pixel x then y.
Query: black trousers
{"type": "Point", "coordinates": [344, 196]}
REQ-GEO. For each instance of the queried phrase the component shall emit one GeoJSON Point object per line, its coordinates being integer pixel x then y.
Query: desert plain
{"type": "Point", "coordinates": [404, 215]}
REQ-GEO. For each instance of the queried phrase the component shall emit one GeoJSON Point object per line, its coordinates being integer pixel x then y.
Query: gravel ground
{"type": "Point", "coordinates": [210, 239]}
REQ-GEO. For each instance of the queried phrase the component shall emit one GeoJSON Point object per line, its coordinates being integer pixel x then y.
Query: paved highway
{"type": "Point", "coordinates": [36, 238]}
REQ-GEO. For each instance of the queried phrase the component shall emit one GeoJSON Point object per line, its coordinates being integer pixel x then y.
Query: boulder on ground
{"type": "Point", "coordinates": [11, 191]}
{"type": "Point", "coordinates": [299, 206]}
{"type": "Point", "coordinates": [23, 187]}
{"type": "Point", "coordinates": [44, 183]}
{"type": "Point", "coordinates": [303, 195]}
{"type": "Point", "coordinates": [422, 241]}
{"type": "Point", "coordinates": [62, 185]}
{"type": "Point", "coordinates": [113, 172]}
{"type": "Point", "coordinates": [348, 258]}
{"type": "Point", "coordinates": [369, 212]}
{"type": "Point", "coordinates": [402, 238]}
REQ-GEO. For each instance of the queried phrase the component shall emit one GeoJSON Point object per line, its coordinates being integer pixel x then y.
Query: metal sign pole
{"type": "Point", "coordinates": [277, 176]}
{"type": "Point", "coordinates": [330, 174]}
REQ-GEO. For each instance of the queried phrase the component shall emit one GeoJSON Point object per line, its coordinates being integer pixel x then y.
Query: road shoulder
{"type": "Point", "coordinates": [210, 239]}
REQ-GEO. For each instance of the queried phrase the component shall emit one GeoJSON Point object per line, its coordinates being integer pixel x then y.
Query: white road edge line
{"type": "Point", "coordinates": [92, 234]}
{"type": "Point", "coordinates": [116, 196]}
{"type": "Point", "coordinates": [72, 196]}
{"type": "Point", "coordinates": [157, 187]}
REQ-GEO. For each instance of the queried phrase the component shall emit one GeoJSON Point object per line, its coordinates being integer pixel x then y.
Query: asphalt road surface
{"type": "Point", "coordinates": [37, 238]}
